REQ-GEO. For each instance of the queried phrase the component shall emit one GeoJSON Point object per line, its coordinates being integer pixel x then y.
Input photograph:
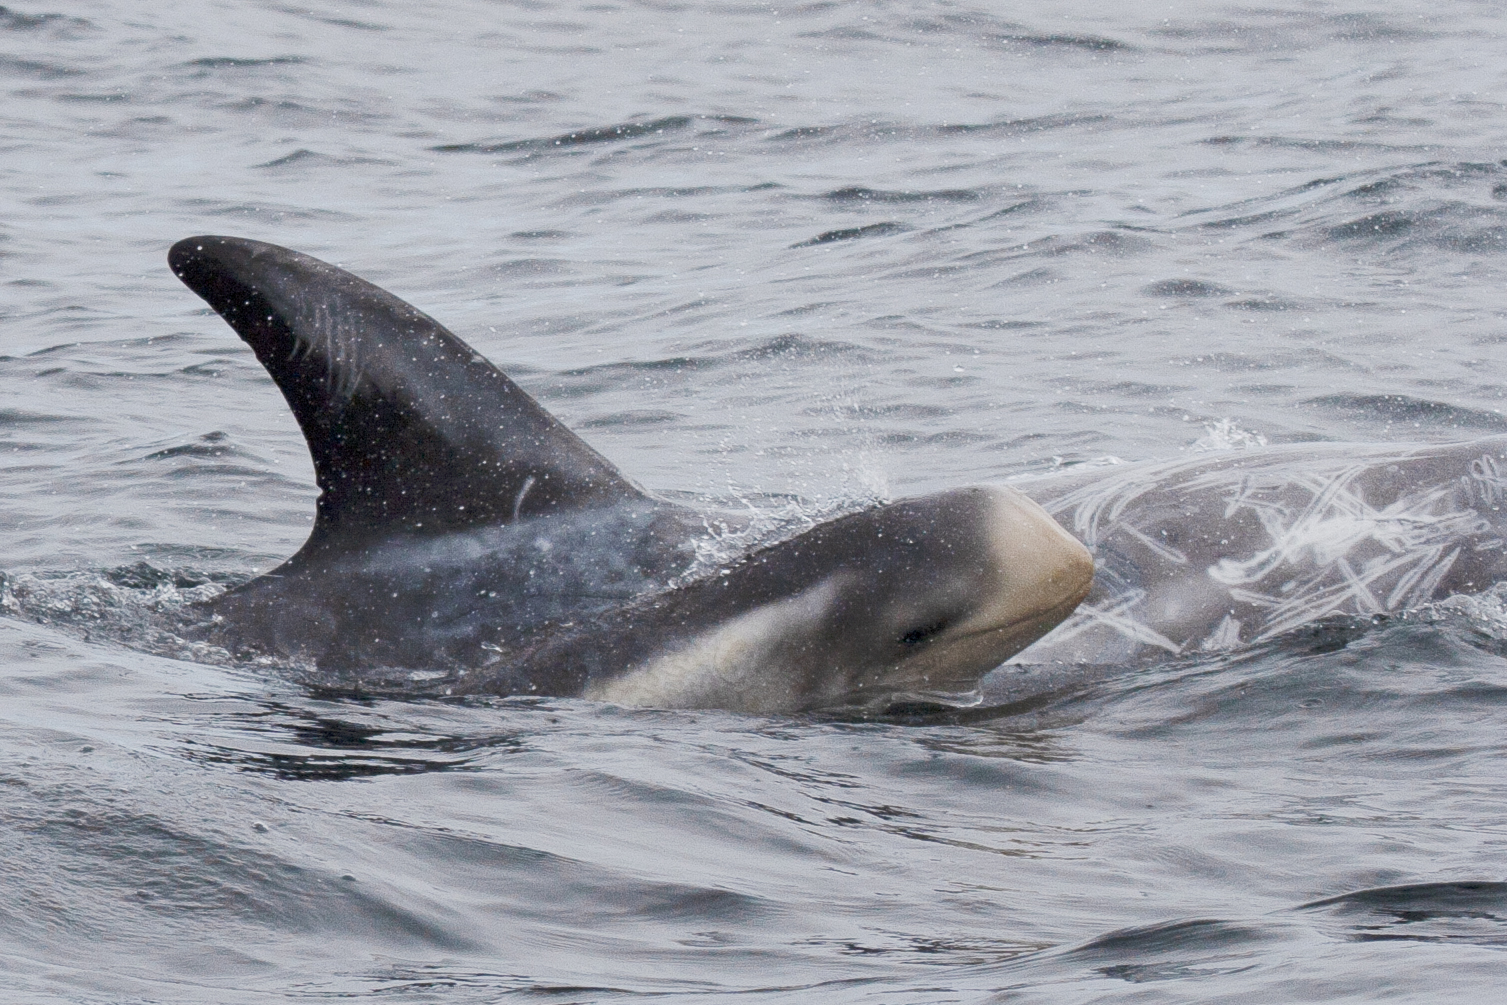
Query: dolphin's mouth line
{"type": "Point", "coordinates": [1059, 610]}
{"type": "Point", "coordinates": [1038, 622]}
{"type": "Point", "coordinates": [1063, 608]}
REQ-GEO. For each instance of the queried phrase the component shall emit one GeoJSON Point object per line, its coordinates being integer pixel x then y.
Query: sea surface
{"type": "Point", "coordinates": [783, 258]}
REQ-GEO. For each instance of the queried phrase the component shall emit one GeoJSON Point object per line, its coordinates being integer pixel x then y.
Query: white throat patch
{"type": "Point", "coordinates": [747, 664]}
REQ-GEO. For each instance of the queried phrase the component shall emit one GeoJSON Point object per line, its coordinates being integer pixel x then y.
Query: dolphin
{"type": "Point", "coordinates": [1225, 550]}
{"type": "Point", "coordinates": [466, 542]}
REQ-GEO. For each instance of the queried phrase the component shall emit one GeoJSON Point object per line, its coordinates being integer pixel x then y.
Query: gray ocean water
{"type": "Point", "coordinates": [787, 257]}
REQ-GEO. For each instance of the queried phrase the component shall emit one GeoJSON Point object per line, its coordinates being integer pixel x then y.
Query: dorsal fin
{"type": "Point", "coordinates": [410, 429]}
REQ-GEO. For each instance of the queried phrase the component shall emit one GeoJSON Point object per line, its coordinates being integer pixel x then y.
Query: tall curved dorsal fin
{"type": "Point", "coordinates": [410, 428]}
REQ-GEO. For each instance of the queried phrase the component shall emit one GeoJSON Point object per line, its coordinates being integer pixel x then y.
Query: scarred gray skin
{"type": "Point", "coordinates": [467, 542]}
{"type": "Point", "coordinates": [1241, 546]}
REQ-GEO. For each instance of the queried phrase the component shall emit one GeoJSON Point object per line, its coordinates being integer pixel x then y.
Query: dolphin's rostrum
{"type": "Point", "coordinates": [467, 542]}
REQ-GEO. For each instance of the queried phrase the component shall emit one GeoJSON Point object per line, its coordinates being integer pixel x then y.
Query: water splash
{"type": "Point", "coordinates": [731, 534]}
{"type": "Point", "coordinates": [140, 606]}
{"type": "Point", "coordinates": [1225, 435]}
{"type": "Point", "coordinates": [1484, 612]}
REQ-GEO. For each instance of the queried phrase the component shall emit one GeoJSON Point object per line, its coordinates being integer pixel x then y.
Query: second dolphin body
{"type": "Point", "coordinates": [1214, 552]}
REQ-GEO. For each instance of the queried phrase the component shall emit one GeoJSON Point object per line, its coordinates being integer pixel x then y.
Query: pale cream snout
{"type": "Point", "coordinates": [1042, 567]}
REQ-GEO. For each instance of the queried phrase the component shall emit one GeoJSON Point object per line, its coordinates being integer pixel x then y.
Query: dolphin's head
{"type": "Point", "coordinates": [978, 575]}
{"type": "Point", "coordinates": [921, 595]}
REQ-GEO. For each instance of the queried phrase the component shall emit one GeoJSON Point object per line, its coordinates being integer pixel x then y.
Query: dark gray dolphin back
{"type": "Point", "coordinates": [410, 429]}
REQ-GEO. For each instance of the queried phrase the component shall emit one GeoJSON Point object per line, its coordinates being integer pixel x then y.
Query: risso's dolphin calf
{"type": "Point", "coordinates": [467, 542]}
{"type": "Point", "coordinates": [1223, 550]}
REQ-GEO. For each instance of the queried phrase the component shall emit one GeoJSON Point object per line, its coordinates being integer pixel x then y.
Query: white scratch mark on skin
{"type": "Point", "coordinates": [1299, 539]}
{"type": "Point", "coordinates": [1225, 636]}
{"type": "Point", "coordinates": [528, 483]}
{"type": "Point", "coordinates": [1490, 482]}
{"type": "Point", "coordinates": [1101, 503]}
{"type": "Point", "coordinates": [1406, 584]}
{"type": "Point", "coordinates": [1358, 588]}
{"type": "Point", "coordinates": [1167, 552]}
{"type": "Point", "coordinates": [1322, 537]}
{"type": "Point", "coordinates": [316, 327]}
{"type": "Point", "coordinates": [1113, 614]}
{"type": "Point", "coordinates": [1430, 582]}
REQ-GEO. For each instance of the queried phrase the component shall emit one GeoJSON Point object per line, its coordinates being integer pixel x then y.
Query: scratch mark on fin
{"type": "Point", "coordinates": [528, 483]}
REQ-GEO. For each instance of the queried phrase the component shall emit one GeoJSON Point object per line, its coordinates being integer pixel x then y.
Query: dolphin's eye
{"type": "Point", "coordinates": [916, 636]}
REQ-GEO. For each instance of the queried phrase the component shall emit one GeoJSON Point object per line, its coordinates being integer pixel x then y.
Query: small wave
{"type": "Point", "coordinates": [246, 211]}
{"type": "Point", "coordinates": [15, 66]}
{"type": "Point", "coordinates": [1201, 933]}
{"type": "Point", "coordinates": [286, 112]}
{"type": "Point", "coordinates": [213, 444]}
{"type": "Point", "coordinates": [849, 132]}
{"type": "Point", "coordinates": [586, 137]}
{"type": "Point", "coordinates": [1033, 124]}
{"type": "Point", "coordinates": [1404, 409]}
{"type": "Point", "coordinates": [794, 346]}
{"type": "Point", "coordinates": [636, 417]}
{"type": "Point", "coordinates": [587, 380]}
{"type": "Point", "coordinates": [1450, 226]}
{"type": "Point", "coordinates": [1306, 143]}
{"type": "Point", "coordinates": [13, 417]}
{"type": "Point", "coordinates": [1186, 288]}
{"type": "Point", "coordinates": [876, 130]}
{"type": "Point", "coordinates": [1092, 43]}
{"type": "Point", "coordinates": [854, 233]}
{"type": "Point", "coordinates": [1116, 243]}
{"type": "Point", "coordinates": [532, 267]}
{"type": "Point", "coordinates": [993, 31]}
{"type": "Point", "coordinates": [1264, 303]}
{"type": "Point", "coordinates": [1467, 912]}
{"type": "Point", "coordinates": [242, 62]}
{"type": "Point", "coordinates": [303, 157]}
{"type": "Point", "coordinates": [298, 744]}
{"type": "Point", "coordinates": [14, 20]}
{"type": "Point", "coordinates": [1439, 206]}
{"type": "Point", "coordinates": [859, 194]}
